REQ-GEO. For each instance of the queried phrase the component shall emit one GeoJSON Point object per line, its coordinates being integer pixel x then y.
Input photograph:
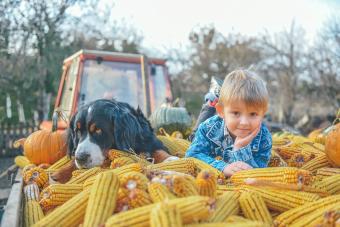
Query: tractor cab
{"type": "Point", "coordinates": [89, 75]}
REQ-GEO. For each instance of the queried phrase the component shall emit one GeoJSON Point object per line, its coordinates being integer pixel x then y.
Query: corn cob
{"type": "Point", "coordinates": [316, 216]}
{"type": "Point", "coordinates": [327, 172]}
{"type": "Point", "coordinates": [286, 152]}
{"type": "Point", "coordinates": [233, 224]}
{"type": "Point", "coordinates": [159, 192]}
{"type": "Point", "coordinates": [138, 198]}
{"type": "Point", "coordinates": [193, 208]}
{"type": "Point", "coordinates": [121, 161]}
{"type": "Point", "coordinates": [165, 215]}
{"type": "Point", "coordinates": [182, 186]}
{"type": "Point", "coordinates": [280, 142]}
{"type": "Point", "coordinates": [282, 200]}
{"type": "Point", "coordinates": [236, 218]}
{"type": "Point", "coordinates": [32, 212]}
{"type": "Point", "coordinates": [176, 147]}
{"type": "Point", "coordinates": [200, 165]}
{"type": "Point", "coordinates": [316, 163]}
{"type": "Point", "coordinates": [60, 163]}
{"type": "Point", "coordinates": [58, 194]}
{"type": "Point", "coordinates": [131, 180]}
{"type": "Point", "coordinates": [330, 218]}
{"type": "Point", "coordinates": [275, 174]}
{"type": "Point", "coordinates": [288, 217]}
{"type": "Point", "coordinates": [206, 182]}
{"type": "Point", "coordinates": [276, 160]}
{"type": "Point", "coordinates": [28, 167]}
{"type": "Point", "coordinates": [298, 160]}
{"type": "Point", "coordinates": [254, 207]}
{"type": "Point", "coordinates": [102, 200]}
{"type": "Point", "coordinates": [134, 167]}
{"type": "Point", "coordinates": [21, 161]}
{"type": "Point", "coordinates": [37, 175]}
{"type": "Point", "coordinates": [182, 165]}
{"type": "Point", "coordinates": [221, 189]}
{"type": "Point", "coordinates": [77, 172]}
{"type": "Point", "coordinates": [122, 202]}
{"type": "Point", "coordinates": [82, 177]}
{"type": "Point", "coordinates": [113, 154]}
{"type": "Point", "coordinates": [226, 204]}
{"type": "Point", "coordinates": [31, 192]}
{"type": "Point", "coordinates": [330, 184]}
{"type": "Point", "coordinates": [71, 213]}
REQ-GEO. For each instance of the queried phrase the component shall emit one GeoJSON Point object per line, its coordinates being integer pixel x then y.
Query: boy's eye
{"type": "Point", "coordinates": [253, 114]}
{"type": "Point", "coordinates": [235, 113]}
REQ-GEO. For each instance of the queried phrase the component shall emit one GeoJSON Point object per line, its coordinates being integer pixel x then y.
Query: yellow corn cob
{"type": "Point", "coordinates": [233, 224]}
{"type": "Point", "coordinates": [165, 215]}
{"type": "Point", "coordinates": [37, 175]}
{"type": "Point", "coordinates": [283, 200]}
{"type": "Point", "coordinates": [275, 174]}
{"type": "Point", "coordinates": [77, 172]}
{"type": "Point", "coordinates": [182, 186]}
{"type": "Point", "coordinates": [138, 198]}
{"type": "Point", "coordinates": [276, 160]}
{"type": "Point", "coordinates": [298, 160]}
{"type": "Point", "coordinates": [60, 163]}
{"type": "Point", "coordinates": [192, 208]}
{"type": "Point", "coordinates": [28, 167]}
{"type": "Point", "coordinates": [31, 192]}
{"type": "Point", "coordinates": [122, 202]}
{"type": "Point", "coordinates": [182, 165]}
{"type": "Point", "coordinates": [87, 174]}
{"type": "Point", "coordinates": [58, 194]}
{"type": "Point", "coordinates": [206, 182]}
{"type": "Point", "coordinates": [113, 154]}
{"type": "Point", "coordinates": [290, 216]}
{"type": "Point", "coordinates": [71, 213]}
{"type": "Point", "coordinates": [102, 200]}
{"type": "Point", "coordinates": [312, 148]}
{"type": "Point", "coordinates": [327, 172]}
{"type": "Point", "coordinates": [330, 218]}
{"type": "Point", "coordinates": [330, 184]}
{"type": "Point", "coordinates": [134, 167]}
{"type": "Point", "coordinates": [278, 142]}
{"type": "Point", "coordinates": [159, 192]}
{"type": "Point", "coordinates": [32, 212]}
{"type": "Point", "coordinates": [200, 165]}
{"type": "Point", "coordinates": [176, 147]}
{"type": "Point", "coordinates": [121, 161]}
{"type": "Point", "coordinates": [21, 161]}
{"type": "Point", "coordinates": [316, 216]}
{"type": "Point", "coordinates": [224, 188]}
{"type": "Point", "coordinates": [226, 204]}
{"type": "Point", "coordinates": [236, 218]}
{"type": "Point", "coordinates": [254, 207]}
{"type": "Point", "coordinates": [316, 163]}
{"type": "Point", "coordinates": [287, 152]}
{"type": "Point", "coordinates": [131, 180]}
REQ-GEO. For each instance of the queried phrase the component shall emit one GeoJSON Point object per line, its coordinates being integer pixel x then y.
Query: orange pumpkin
{"type": "Point", "coordinates": [332, 146]}
{"type": "Point", "coordinates": [44, 146]}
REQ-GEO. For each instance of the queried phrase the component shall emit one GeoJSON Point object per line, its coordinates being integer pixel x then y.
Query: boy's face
{"type": "Point", "coordinates": [239, 118]}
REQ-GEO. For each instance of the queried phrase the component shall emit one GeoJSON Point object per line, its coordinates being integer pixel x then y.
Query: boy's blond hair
{"type": "Point", "coordinates": [244, 85]}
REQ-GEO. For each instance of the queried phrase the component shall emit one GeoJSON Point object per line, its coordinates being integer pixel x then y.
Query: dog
{"type": "Point", "coordinates": [108, 124]}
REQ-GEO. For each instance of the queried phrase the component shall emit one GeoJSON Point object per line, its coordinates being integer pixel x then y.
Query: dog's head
{"type": "Point", "coordinates": [99, 126]}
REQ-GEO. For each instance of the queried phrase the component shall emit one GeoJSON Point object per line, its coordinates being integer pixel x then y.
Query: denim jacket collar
{"type": "Point", "coordinates": [222, 138]}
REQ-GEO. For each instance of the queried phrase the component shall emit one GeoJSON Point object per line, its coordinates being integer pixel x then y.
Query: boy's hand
{"type": "Point", "coordinates": [234, 167]}
{"type": "Point", "coordinates": [242, 142]}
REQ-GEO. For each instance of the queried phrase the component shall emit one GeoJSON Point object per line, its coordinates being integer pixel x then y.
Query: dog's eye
{"type": "Point", "coordinates": [98, 131]}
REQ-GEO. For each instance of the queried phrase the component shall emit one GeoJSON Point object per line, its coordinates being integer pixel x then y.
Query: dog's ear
{"type": "Point", "coordinates": [71, 138]}
{"type": "Point", "coordinates": [126, 130]}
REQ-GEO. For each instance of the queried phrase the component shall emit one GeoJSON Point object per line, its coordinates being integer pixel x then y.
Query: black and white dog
{"type": "Point", "coordinates": [105, 124]}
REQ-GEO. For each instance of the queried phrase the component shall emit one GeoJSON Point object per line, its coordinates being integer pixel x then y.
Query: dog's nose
{"type": "Point", "coordinates": [82, 158]}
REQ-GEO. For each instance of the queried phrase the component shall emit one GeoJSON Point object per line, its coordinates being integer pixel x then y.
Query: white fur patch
{"type": "Point", "coordinates": [87, 147]}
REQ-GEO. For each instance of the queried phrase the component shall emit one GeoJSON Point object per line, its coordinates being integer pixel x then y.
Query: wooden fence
{"type": "Point", "coordinates": [10, 133]}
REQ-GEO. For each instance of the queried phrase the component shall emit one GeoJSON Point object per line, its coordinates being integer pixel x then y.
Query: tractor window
{"type": "Point", "coordinates": [69, 87]}
{"type": "Point", "coordinates": [119, 80]}
{"type": "Point", "coordinates": [159, 87]}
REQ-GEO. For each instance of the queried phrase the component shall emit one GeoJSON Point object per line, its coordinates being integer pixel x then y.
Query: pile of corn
{"type": "Point", "coordinates": [300, 188]}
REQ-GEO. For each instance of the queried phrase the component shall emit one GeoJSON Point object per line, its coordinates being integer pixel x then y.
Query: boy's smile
{"type": "Point", "coordinates": [240, 118]}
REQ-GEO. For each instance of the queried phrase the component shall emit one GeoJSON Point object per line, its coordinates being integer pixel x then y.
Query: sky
{"type": "Point", "coordinates": [167, 24]}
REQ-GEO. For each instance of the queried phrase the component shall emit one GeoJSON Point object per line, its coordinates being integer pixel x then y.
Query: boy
{"type": "Point", "coordinates": [236, 139]}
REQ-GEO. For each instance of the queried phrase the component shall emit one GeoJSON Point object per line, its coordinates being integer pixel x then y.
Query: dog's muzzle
{"type": "Point", "coordinates": [88, 155]}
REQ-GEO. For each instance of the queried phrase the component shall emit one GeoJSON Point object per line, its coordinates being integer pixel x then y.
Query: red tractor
{"type": "Point", "coordinates": [89, 75]}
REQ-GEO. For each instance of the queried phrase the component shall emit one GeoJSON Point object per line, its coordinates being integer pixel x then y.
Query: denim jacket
{"type": "Point", "coordinates": [215, 147]}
